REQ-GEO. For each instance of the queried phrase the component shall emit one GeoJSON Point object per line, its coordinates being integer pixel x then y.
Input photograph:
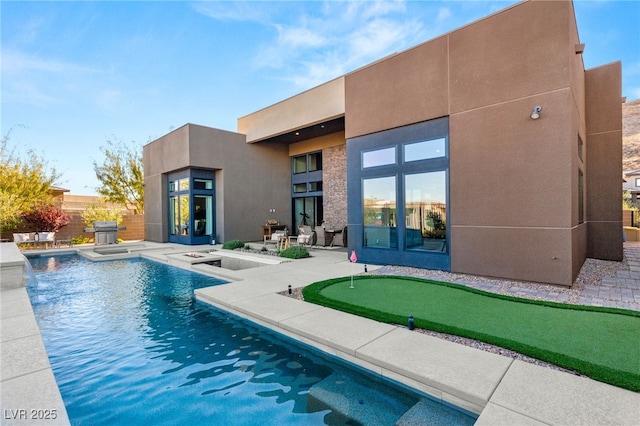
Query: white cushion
{"type": "Point", "coordinates": [47, 236]}
{"type": "Point", "coordinates": [304, 239]}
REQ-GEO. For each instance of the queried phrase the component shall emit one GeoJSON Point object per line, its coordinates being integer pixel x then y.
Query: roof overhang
{"type": "Point", "coordinates": [317, 111]}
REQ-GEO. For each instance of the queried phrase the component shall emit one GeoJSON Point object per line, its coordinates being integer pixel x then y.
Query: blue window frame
{"type": "Point", "coordinates": [398, 191]}
{"type": "Point", "coordinates": [191, 206]}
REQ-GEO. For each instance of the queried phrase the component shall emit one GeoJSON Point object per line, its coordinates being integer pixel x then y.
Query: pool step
{"type": "Point", "coordinates": [355, 402]}
{"type": "Point", "coordinates": [429, 412]}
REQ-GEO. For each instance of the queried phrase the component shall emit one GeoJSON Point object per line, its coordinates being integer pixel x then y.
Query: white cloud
{"type": "Point", "coordinates": [299, 37]}
{"type": "Point", "coordinates": [365, 10]}
{"type": "Point", "coordinates": [235, 10]}
{"type": "Point", "coordinates": [316, 42]}
{"type": "Point", "coordinates": [14, 61]}
{"type": "Point", "coordinates": [380, 37]}
{"type": "Point", "coordinates": [444, 13]}
{"type": "Point", "coordinates": [34, 80]}
{"type": "Point", "coordinates": [24, 91]}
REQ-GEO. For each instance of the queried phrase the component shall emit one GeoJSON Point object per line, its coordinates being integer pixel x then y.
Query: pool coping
{"type": "Point", "coordinates": [499, 389]}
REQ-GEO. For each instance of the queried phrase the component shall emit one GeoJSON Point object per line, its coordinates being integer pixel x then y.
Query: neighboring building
{"type": "Point", "coordinates": [436, 157]}
{"type": "Point", "coordinates": [631, 183]}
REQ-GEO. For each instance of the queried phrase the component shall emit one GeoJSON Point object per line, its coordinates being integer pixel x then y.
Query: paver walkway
{"type": "Point", "coordinates": [624, 286]}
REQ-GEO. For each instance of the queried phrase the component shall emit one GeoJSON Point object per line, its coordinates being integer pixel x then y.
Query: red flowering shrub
{"type": "Point", "coordinates": [47, 218]}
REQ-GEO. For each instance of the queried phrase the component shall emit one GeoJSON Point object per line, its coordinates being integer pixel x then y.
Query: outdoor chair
{"type": "Point", "coordinates": [321, 236]}
{"type": "Point", "coordinates": [23, 238]}
{"type": "Point", "coordinates": [305, 235]}
{"type": "Point", "coordinates": [47, 238]}
{"type": "Point", "coordinates": [275, 237]}
{"type": "Point", "coordinates": [340, 238]}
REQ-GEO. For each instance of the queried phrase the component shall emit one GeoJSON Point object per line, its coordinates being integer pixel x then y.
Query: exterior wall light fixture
{"type": "Point", "coordinates": [535, 114]}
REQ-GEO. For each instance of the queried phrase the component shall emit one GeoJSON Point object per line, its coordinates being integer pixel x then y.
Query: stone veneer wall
{"type": "Point", "coordinates": [334, 185]}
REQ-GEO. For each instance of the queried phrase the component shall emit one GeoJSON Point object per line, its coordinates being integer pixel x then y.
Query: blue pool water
{"type": "Point", "coordinates": [129, 344]}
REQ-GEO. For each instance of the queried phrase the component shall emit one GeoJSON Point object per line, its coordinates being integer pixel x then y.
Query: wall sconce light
{"type": "Point", "coordinates": [535, 114]}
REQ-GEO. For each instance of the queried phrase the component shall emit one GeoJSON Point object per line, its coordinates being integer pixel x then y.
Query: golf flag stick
{"type": "Point", "coordinates": [353, 260]}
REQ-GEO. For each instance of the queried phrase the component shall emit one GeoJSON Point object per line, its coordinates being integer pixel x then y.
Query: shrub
{"type": "Point", "coordinates": [47, 217]}
{"type": "Point", "coordinates": [101, 211]}
{"type": "Point", "coordinates": [297, 252]}
{"type": "Point", "coordinates": [247, 247]}
{"type": "Point", "coordinates": [80, 240]}
{"type": "Point", "coordinates": [233, 244]}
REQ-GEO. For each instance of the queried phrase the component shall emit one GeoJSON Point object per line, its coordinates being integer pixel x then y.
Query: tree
{"type": "Point", "coordinates": [47, 217]}
{"type": "Point", "coordinates": [24, 183]}
{"type": "Point", "coordinates": [627, 201]}
{"type": "Point", "coordinates": [121, 175]}
{"type": "Point", "coordinates": [100, 211]}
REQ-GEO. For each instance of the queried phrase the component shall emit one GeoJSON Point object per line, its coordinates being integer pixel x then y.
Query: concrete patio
{"type": "Point", "coordinates": [499, 389]}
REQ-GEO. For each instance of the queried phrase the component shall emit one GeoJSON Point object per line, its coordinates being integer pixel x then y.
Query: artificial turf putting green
{"type": "Point", "coordinates": [602, 343]}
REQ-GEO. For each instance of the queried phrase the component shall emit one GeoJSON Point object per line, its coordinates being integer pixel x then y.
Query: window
{"type": "Point", "coordinates": [379, 157]}
{"type": "Point", "coordinates": [580, 197]}
{"type": "Point", "coordinates": [299, 188]}
{"type": "Point", "coordinates": [191, 206]}
{"type": "Point", "coordinates": [580, 147]}
{"type": "Point", "coordinates": [300, 164]}
{"type": "Point", "coordinates": [315, 186]}
{"type": "Point", "coordinates": [179, 215]}
{"type": "Point", "coordinates": [638, 182]}
{"type": "Point", "coordinates": [426, 211]}
{"type": "Point", "coordinates": [174, 218]}
{"type": "Point", "coordinates": [424, 150]}
{"type": "Point", "coordinates": [400, 215]}
{"type": "Point", "coordinates": [202, 215]}
{"type": "Point", "coordinates": [379, 221]}
{"type": "Point", "coordinates": [202, 184]}
{"type": "Point", "coordinates": [307, 163]}
{"type": "Point", "coordinates": [315, 161]}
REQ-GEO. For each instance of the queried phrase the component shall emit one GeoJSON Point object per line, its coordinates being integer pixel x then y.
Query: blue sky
{"type": "Point", "coordinates": [76, 74]}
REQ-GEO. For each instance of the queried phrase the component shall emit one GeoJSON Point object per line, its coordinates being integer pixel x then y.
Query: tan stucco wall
{"type": "Point", "coordinates": [316, 105]}
{"type": "Point", "coordinates": [400, 90]}
{"type": "Point", "coordinates": [160, 156]}
{"type": "Point", "coordinates": [250, 180]}
{"type": "Point", "coordinates": [604, 161]}
{"type": "Point", "coordinates": [513, 180]}
{"type": "Point", "coordinates": [510, 184]}
{"type": "Point", "coordinates": [516, 53]}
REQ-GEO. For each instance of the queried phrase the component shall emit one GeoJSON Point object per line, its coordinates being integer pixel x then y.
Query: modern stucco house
{"type": "Point", "coordinates": [489, 150]}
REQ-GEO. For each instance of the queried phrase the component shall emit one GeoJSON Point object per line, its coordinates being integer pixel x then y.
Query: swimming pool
{"type": "Point", "coordinates": [128, 343]}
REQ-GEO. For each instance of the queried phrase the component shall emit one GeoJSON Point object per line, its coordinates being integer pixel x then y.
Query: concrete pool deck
{"type": "Point", "coordinates": [499, 389]}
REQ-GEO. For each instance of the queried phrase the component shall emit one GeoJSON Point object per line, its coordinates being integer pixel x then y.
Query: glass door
{"type": "Point", "coordinates": [202, 215]}
{"type": "Point", "coordinates": [307, 211]}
